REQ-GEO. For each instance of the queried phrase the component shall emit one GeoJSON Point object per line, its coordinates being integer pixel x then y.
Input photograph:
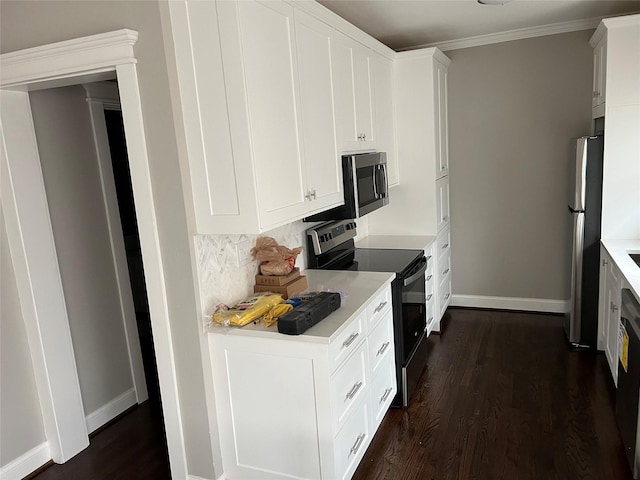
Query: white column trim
{"type": "Point", "coordinates": [73, 62]}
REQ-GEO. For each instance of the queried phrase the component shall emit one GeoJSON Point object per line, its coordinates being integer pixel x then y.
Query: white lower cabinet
{"type": "Point", "coordinates": [609, 311]}
{"type": "Point", "coordinates": [304, 406]}
{"type": "Point", "coordinates": [443, 274]}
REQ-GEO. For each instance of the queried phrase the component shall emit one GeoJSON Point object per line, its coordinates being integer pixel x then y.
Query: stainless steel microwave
{"type": "Point", "coordinates": [365, 187]}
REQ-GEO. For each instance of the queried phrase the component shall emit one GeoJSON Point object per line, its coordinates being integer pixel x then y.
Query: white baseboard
{"type": "Point", "coordinates": [111, 410]}
{"type": "Point", "coordinates": [27, 463]}
{"type": "Point", "coordinates": [510, 303]}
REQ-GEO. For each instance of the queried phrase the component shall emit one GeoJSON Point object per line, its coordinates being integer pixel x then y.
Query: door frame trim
{"type": "Point", "coordinates": [72, 62]}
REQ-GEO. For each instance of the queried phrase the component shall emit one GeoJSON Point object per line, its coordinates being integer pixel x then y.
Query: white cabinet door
{"type": "Point", "coordinates": [382, 72]}
{"type": "Point", "coordinates": [602, 299]}
{"type": "Point", "coordinates": [599, 73]}
{"type": "Point", "coordinates": [365, 116]}
{"type": "Point", "coordinates": [441, 119]}
{"type": "Point", "coordinates": [354, 102]}
{"type": "Point", "coordinates": [442, 202]}
{"type": "Point", "coordinates": [613, 299]}
{"type": "Point", "coordinates": [320, 143]}
{"type": "Point", "coordinates": [268, 46]}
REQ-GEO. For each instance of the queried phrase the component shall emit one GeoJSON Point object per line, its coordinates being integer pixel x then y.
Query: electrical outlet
{"type": "Point", "coordinates": [243, 253]}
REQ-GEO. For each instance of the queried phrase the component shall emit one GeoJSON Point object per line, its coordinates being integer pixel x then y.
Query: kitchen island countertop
{"type": "Point", "coordinates": [356, 288]}
{"type": "Point", "coordinates": [619, 251]}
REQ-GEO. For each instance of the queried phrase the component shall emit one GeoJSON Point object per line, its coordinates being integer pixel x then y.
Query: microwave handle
{"type": "Point", "coordinates": [375, 183]}
{"type": "Point", "coordinates": [382, 169]}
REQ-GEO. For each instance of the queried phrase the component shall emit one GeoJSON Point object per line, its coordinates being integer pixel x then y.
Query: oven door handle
{"type": "Point", "coordinates": [420, 273]}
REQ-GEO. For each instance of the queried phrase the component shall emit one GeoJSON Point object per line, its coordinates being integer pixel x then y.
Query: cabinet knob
{"type": "Point", "coordinates": [614, 307]}
{"type": "Point", "coordinates": [605, 263]}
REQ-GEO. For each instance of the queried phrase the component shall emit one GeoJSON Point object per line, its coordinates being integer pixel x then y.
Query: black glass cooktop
{"type": "Point", "coordinates": [385, 260]}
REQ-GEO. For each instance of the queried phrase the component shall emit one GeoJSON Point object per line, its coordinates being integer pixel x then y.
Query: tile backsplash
{"type": "Point", "coordinates": [223, 281]}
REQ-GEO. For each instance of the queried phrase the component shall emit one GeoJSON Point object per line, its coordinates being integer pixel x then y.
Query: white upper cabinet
{"type": "Point", "coordinates": [599, 77]}
{"type": "Point", "coordinates": [382, 73]}
{"type": "Point", "coordinates": [321, 153]}
{"type": "Point", "coordinates": [441, 121]}
{"type": "Point", "coordinates": [256, 93]}
{"type": "Point", "coordinates": [354, 94]}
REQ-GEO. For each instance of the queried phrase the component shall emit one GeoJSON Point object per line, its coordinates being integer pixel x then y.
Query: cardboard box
{"type": "Point", "coordinates": [278, 279]}
{"type": "Point", "coordinates": [289, 290]}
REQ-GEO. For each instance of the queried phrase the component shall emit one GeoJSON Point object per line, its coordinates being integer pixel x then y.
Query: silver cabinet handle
{"type": "Point", "coordinates": [385, 395]}
{"type": "Point", "coordinates": [614, 307]}
{"type": "Point", "coordinates": [364, 136]}
{"type": "Point", "coordinates": [430, 320]}
{"type": "Point", "coordinates": [445, 246]}
{"type": "Point", "coordinates": [429, 277]}
{"type": "Point", "coordinates": [353, 391]}
{"type": "Point", "coordinates": [428, 257]}
{"type": "Point", "coordinates": [356, 446]}
{"type": "Point", "coordinates": [382, 349]}
{"type": "Point", "coordinates": [605, 263]}
{"type": "Point", "coordinates": [350, 340]}
{"type": "Point", "coordinates": [445, 218]}
{"type": "Point", "coordinates": [308, 195]}
{"type": "Point", "coordinates": [380, 307]}
{"type": "Point", "coordinates": [445, 271]}
{"type": "Point", "coordinates": [447, 296]}
{"type": "Point", "coordinates": [313, 193]}
{"type": "Point", "coordinates": [429, 297]}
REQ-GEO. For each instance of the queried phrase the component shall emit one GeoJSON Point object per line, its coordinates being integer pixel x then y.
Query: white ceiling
{"type": "Point", "coordinates": [406, 24]}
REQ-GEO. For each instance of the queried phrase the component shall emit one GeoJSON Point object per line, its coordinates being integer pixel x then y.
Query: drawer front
{"type": "Point", "coordinates": [431, 317]}
{"type": "Point", "coordinates": [378, 307]}
{"type": "Point", "coordinates": [444, 295]}
{"type": "Point", "coordinates": [430, 281]}
{"type": "Point", "coordinates": [444, 265]}
{"type": "Point", "coordinates": [351, 443]}
{"type": "Point", "coordinates": [429, 254]}
{"type": "Point", "coordinates": [348, 385]}
{"type": "Point", "coordinates": [443, 242]}
{"type": "Point", "coordinates": [347, 341]}
{"type": "Point", "coordinates": [383, 389]}
{"type": "Point", "coordinates": [380, 343]}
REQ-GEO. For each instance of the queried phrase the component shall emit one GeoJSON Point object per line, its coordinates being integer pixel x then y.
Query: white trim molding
{"type": "Point", "coordinates": [74, 62]}
{"type": "Point", "coordinates": [510, 303]}
{"type": "Point", "coordinates": [510, 35]}
{"type": "Point", "coordinates": [95, 53]}
{"type": "Point", "coordinates": [111, 410]}
{"type": "Point", "coordinates": [26, 463]}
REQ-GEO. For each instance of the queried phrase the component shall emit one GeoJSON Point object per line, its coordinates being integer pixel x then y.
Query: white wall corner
{"type": "Point", "coordinates": [26, 463]}
{"type": "Point", "coordinates": [510, 303]}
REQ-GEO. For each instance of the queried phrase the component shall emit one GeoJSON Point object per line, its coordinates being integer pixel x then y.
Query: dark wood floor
{"type": "Point", "coordinates": [503, 398]}
{"type": "Point", "coordinates": [132, 448]}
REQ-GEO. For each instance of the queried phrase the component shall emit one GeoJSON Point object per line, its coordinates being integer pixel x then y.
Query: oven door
{"type": "Point", "coordinates": [413, 308]}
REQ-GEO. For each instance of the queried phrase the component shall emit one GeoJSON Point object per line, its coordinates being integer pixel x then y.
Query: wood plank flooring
{"type": "Point", "coordinates": [503, 398]}
{"type": "Point", "coordinates": [132, 448]}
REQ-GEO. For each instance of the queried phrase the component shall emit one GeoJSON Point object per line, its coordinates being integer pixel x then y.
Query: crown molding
{"type": "Point", "coordinates": [94, 54]}
{"type": "Point", "coordinates": [510, 35]}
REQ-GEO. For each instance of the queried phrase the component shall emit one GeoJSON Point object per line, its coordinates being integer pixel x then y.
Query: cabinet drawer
{"type": "Point", "coordinates": [383, 389]}
{"type": "Point", "coordinates": [347, 341]}
{"type": "Point", "coordinates": [444, 265]}
{"type": "Point", "coordinates": [444, 295]}
{"type": "Point", "coordinates": [351, 443]}
{"type": "Point", "coordinates": [430, 316]}
{"type": "Point", "coordinates": [348, 386]}
{"type": "Point", "coordinates": [380, 342]}
{"type": "Point", "coordinates": [378, 307]}
{"type": "Point", "coordinates": [430, 280]}
{"type": "Point", "coordinates": [443, 243]}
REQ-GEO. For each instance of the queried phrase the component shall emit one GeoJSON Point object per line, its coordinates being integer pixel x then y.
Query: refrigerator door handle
{"type": "Point", "coordinates": [573, 326]}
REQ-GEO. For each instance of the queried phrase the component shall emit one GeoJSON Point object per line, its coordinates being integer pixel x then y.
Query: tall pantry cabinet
{"type": "Point", "coordinates": [419, 205]}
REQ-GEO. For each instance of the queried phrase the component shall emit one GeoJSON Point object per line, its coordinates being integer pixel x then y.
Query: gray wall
{"type": "Point", "coordinates": [20, 414]}
{"type": "Point", "coordinates": [81, 233]}
{"type": "Point", "coordinates": [513, 108]}
{"type": "Point", "coordinates": [28, 24]}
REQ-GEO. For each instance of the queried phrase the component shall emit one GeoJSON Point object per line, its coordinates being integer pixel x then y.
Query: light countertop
{"type": "Point", "coordinates": [418, 242]}
{"type": "Point", "coordinates": [619, 251]}
{"type": "Point", "coordinates": [356, 288]}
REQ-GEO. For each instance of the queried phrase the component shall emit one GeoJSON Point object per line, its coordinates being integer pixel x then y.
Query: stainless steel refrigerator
{"type": "Point", "coordinates": [585, 208]}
